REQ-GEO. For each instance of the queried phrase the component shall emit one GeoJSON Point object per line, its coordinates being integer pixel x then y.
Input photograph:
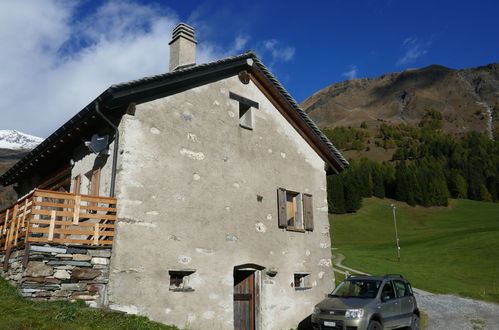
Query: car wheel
{"type": "Point", "coordinates": [415, 322]}
{"type": "Point", "coordinates": [374, 325]}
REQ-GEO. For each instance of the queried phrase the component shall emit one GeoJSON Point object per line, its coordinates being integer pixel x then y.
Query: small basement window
{"type": "Point", "coordinates": [302, 281]}
{"type": "Point", "coordinates": [179, 280]}
{"type": "Point", "coordinates": [246, 107]}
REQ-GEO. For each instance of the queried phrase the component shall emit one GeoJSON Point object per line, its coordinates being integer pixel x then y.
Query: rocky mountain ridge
{"type": "Point", "coordinates": [468, 99]}
{"type": "Point", "coordinates": [15, 140]}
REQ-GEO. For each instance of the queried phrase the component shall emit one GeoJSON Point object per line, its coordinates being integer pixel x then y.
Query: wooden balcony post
{"type": "Point", "coordinates": [52, 226]}
{"type": "Point", "coordinates": [76, 211]}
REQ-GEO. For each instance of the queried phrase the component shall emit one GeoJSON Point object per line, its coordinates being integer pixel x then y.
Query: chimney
{"type": "Point", "coordinates": [182, 47]}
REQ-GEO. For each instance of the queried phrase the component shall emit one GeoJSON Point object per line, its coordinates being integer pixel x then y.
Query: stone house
{"type": "Point", "coordinates": [220, 183]}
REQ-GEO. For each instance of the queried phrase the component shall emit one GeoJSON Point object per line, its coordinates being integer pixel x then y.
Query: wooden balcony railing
{"type": "Point", "coordinates": [58, 217]}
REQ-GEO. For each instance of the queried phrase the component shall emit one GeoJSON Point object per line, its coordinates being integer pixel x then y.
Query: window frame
{"type": "Point", "coordinates": [302, 209]}
{"type": "Point", "coordinates": [304, 281]}
{"type": "Point", "coordinates": [245, 111]}
{"type": "Point", "coordinates": [182, 275]}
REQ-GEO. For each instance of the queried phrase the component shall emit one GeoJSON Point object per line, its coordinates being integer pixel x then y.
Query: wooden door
{"type": "Point", "coordinates": [244, 299]}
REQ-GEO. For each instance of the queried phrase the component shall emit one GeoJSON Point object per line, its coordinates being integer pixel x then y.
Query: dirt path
{"type": "Point", "coordinates": [445, 312]}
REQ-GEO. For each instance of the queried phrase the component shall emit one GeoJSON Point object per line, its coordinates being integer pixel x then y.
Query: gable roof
{"type": "Point", "coordinates": [149, 88]}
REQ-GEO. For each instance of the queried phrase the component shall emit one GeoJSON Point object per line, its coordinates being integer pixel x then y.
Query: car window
{"type": "Point", "coordinates": [358, 288]}
{"type": "Point", "coordinates": [388, 291]}
{"type": "Point", "coordinates": [401, 288]}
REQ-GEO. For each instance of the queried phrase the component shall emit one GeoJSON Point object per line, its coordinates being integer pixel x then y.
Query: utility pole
{"type": "Point", "coordinates": [396, 233]}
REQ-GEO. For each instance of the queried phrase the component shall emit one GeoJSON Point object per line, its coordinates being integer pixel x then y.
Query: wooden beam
{"type": "Point", "coordinates": [52, 226]}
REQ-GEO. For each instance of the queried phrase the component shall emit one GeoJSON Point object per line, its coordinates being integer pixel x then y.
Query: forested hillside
{"type": "Point", "coordinates": [427, 166]}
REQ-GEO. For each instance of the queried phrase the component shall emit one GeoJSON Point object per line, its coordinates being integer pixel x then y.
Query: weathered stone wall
{"type": "Point", "coordinates": [198, 192]}
{"type": "Point", "coordinates": [58, 272]}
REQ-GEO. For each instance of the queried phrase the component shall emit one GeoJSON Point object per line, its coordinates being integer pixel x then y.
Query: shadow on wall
{"type": "Point", "coordinates": [306, 323]}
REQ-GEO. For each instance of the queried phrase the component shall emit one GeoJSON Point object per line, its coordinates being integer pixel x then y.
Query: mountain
{"type": "Point", "coordinates": [468, 99]}
{"type": "Point", "coordinates": [15, 140]}
{"type": "Point", "coordinates": [13, 146]}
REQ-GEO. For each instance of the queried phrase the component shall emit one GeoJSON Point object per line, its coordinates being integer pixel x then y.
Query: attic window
{"type": "Point", "coordinates": [302, 281]}
{"type": "Point", "coordinates": [246, 107]}
{"type": "Point", "coordinates": [179, 280]}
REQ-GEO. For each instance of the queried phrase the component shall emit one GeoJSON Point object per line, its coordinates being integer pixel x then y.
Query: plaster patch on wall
{"type": "Point", "coordinates": [270, 151]}
{"type": "Point", "coordinates": [260, 227]}
{"type": "Point", "coordinates": [191, 318]}
{"type": "Point", "coordinates": [271, 253]}
{"type": "Point", "coordinates": [227, 209]}
{"type": "Point", "coordinates": [130, 201]}
{"type": "Point", "coordinates": [325, 263]}
{"type": "Point", "coordinates": [154, 130]}
{"type": "Point", "coordinates": [284, 252]}
{"type": "Point", "coordinates": [325, 230]}
{"type": "Point", "coordinates": [168, 310]}
{"type": "Point", "coordinates": [230, 238]}
{"type": "Point", "coordinates": [236, 185]}
{"type": "Point", "coordinates": [204, 251]}
{"type": "Point", "coordinates": [192, 137]}
{"type": "Point", "coordinates": [129, 270]}
{"type": "Point", "coordinates": [130, 309]}
{"type": "Point", "coordinates": [324, 189]}
{"type": "Point", "coordinates": [216, 103]}
{"type": "Point", "coordinates": [186, 115]}
{"type": "Point", "coordinates": [208, 315]}
{"type": "Point", "coordinates": [269, 216]}
{"type": "Point", "coordinates": [323, 209]}
{"type": "Point", "coordinates": [146, 224]}
{"type": "Point", "coordinates": [184, 260]}
{"type": "Point", "coordinates": [192, 154]}
{"type": "Point", "coordinates": [307, 253]}
{"type": "Point", "coordinates": [196, 177]}
{"type": "Point", "coordinates": [314, 283]}
{"type": "Point", "coordinates": [175, 238]}
{"type": "Point", "coordinates": [283, 155]}
{"type": "Point", "coordinates": [231, 114]}
{"type": "Point", "coordinates": [324, 245]}
{"type": "Point", "coordinates": [321, 275]}
{"type": "Point", "coordinates": [179, 197]}
{"type": "Point", "coordinates": [152, 212]}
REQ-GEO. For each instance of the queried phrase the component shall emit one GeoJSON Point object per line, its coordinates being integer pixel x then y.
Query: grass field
{"type": "Point", "coordinates": [19, 313]}
{"type": "Point", "coordinates": [451, 249]}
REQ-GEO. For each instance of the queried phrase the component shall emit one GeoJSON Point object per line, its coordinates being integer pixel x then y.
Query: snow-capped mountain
{"type": "Point", "coordinates": [12, 139]}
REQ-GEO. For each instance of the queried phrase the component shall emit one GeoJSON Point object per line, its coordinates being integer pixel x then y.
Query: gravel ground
{"type": "Point", "coordinates": [452, 312]}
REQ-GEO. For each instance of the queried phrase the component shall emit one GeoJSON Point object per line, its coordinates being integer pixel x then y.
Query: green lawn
{"type": "Point", "coordinates": [19, 313]}
{"type": "Point", "coordinates": [451, 249]}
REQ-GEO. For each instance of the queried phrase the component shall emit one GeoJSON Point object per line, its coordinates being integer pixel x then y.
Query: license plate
{"type": "Point", "coordinates": [329, 324]}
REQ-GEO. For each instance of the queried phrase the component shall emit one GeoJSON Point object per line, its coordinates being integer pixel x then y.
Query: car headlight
{"type": "Point", "coordinates": [317, 310]}
{"type": "Point", "coordinates": [354, 313]}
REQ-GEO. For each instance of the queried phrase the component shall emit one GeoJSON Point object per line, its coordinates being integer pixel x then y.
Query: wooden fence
{"type": "Point", "coordinates": [58, 217]}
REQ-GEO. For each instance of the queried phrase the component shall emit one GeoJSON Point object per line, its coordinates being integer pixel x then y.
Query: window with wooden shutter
{"type": "Point", "coordinates": [308, 213]}
{"type": "Point", "coordinates": [292, 212]}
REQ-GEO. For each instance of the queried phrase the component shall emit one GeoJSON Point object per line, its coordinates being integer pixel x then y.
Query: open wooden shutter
{"type": "Point", "coordinates": [308, 214]}
{"type": "Point", "coordinates": [281, 206]}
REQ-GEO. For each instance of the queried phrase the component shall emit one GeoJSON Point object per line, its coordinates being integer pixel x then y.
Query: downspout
{"type": "Point", "coordinates": [115, 148]}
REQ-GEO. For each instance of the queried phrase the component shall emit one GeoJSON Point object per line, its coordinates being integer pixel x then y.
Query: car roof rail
{"type": "Point", "coordinates": [357, 275]}
{"type": "Point", "coordinates": [393, 275]}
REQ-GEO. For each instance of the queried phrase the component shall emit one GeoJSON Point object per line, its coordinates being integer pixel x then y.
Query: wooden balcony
{"type": "Point", "coordinates": [46, 216]}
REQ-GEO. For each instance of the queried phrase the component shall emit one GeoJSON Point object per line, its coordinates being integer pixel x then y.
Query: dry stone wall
{"type": "Point", "coordinates": [58, 272]}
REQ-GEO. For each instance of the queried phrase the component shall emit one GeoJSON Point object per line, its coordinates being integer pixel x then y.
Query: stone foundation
{"type": "Point", "coordinates": [59, 272]}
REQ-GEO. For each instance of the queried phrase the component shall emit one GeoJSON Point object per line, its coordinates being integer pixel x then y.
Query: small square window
{"type": "Point", "coordinates": [245, 116]}
{"type": "Point", "coordinates": [302, 281]}
{"type": "Point", "coordinates": [246, 107]}
{"type": "Point", "coordinates": [179, 280]}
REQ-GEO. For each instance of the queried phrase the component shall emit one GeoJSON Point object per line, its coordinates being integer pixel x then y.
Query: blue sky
{"type": "Point", "coordinates": [59, 55]}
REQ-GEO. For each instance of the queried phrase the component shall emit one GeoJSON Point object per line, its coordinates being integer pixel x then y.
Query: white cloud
{"type": "Point", "coordinates": [277, 50]}
{"type": "Point", "coordinates": [352, 73]}
{"type": "Point", "coordinates": [55, 61]}
{"type": "Point", "coordinates": [413, 50]}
